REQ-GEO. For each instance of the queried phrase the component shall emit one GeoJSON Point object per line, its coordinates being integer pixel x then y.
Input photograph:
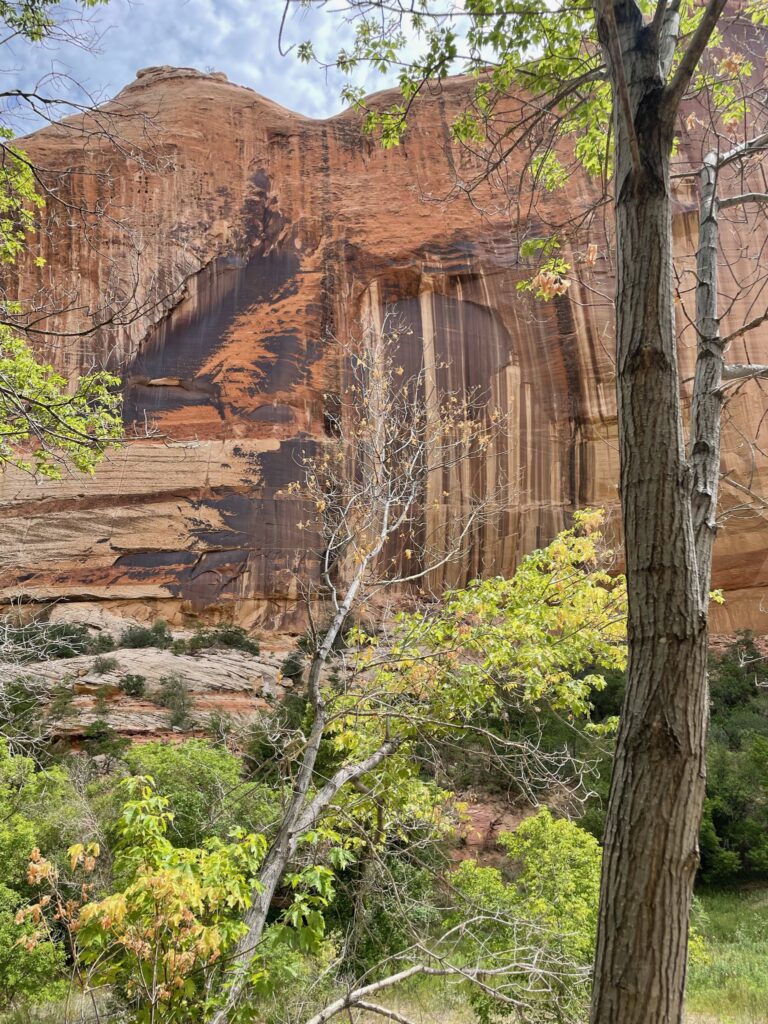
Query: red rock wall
{"type": "Point", "coordinates": [259, 233]}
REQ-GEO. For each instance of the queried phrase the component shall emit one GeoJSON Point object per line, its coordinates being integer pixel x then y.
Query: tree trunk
{"type": "Point", "coordinates": [657, 790]}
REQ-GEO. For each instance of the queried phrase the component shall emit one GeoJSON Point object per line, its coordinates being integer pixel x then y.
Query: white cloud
{"type": "Point", "coordinates": [239, 37]}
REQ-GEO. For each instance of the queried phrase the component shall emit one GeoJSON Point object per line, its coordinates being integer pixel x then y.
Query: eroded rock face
{"type": "Point", "coordinates": [257, 234]}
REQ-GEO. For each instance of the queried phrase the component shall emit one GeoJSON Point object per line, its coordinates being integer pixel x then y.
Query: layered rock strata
{"type": "Point", "coordinates": [229, 686]}
{"type": "Point", "coordinates": [252, 236]}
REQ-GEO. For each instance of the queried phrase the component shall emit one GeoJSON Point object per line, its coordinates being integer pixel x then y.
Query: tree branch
{"type": "Point", "coordinates": [744, 371]}
{"type": "Point", "coordinates": [690, 59]}
{"type": "Point", "coordinates": [750, 325]}
{"type": "Point", "coordinates": [747, 197]}
{"type": "Point", "coordinates": [745, 149]}
{"type": "Point", "coordinates": [617, 59]}
{"type": "Point", "coordinates": [344, 775]}
{"type": "Point", "coordinates": [383, 1011]}
{"type": "Point", "coordinates": [658, 17]}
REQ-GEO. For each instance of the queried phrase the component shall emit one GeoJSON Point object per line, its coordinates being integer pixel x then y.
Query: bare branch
{"type": "Point", "coordinates": [742, 200]}
{"type": "Point", "coordinates": [349, 773]}
{"type": "Point", "coordinates": [743, 371]}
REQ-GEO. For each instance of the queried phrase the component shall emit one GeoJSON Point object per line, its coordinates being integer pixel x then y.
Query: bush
{"type": "Point", "coordinates": [371, 894]}
{"type": "Point", "coordinates": [735, 827]}
{"type": "Point", "coordinates": [202, 783]}
{"type": "Point", "coordinates": [101, 643]}
{"type": "Point", "coordinates": [99, 738]}
{"type": "Point", "coordinates": [62, 696]}
{"type": "Point", "coordinates": [21, 714]}
{"type": "Point", "coordinates": [266, 741]}
{"type": "Point", "coordinates": [734, 831]}
{"type": "Point", "coordinates": [293, 666]}
{"type": "Point", "coordinates": [102, 665]}
{"type": "Point", "coordinates": [555, 868]}
{"type": "Point", "coordinates": [36, 809]}
{"type": "Point", "coordinates": [223, 636]}
{"type": "Point", "coordinates": [133, 685]}
{"type": "Point", "coordinates": [156, 635]}
{"type": "Point", "coordinates": [28, 974]}
{"type": "Point", "coordinates": [43, 641]}
{"type": "Point", "coordinates": [174, 695]}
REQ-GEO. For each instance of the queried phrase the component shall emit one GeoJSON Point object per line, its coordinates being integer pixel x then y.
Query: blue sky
{"type": "Point", "coordinates": [238, 37]}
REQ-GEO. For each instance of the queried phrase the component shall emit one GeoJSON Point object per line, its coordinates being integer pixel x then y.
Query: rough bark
{"type": "Point", "coordinates": [657, 789]}
{"type": "Point", "coordinates": [707, 393]}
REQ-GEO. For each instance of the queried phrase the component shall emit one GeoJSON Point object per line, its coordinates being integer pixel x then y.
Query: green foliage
{"type": "Point", "coordinates": [176, 912]}
{"type": "Point", "coordinates": [30, 970]}
{"type": "Point", "coordinates": [42, 422]}
{"type": "Point", "coordinates": [100, 738]}
{"type": "Point", "coordinates": [738, 680]}
{"type": "Point", "coordinates": [385, 900]}
{"type": "Point", "coordinates": [735, 830]}
{"type": "Point", "coordinates": [735, 823]}
{"type": "Point", "coordinates": [267, 744]}
{"type": "Point", "coordinates": [44, 641]}
{"type": "Point", "coordinates": [62, 697]}
{"type": "Point", "coordinates": [102, 665]}
{"type": "Point", "coordinates": [17, 831]}
{"type": "Point", "coordinates": [35, 808]}
{"type": "Point", "coordinates": [203, 786]}
{"type": "Point", "coordinates": [554, 889]}
{"type": "Point", "coordinates": [21, 714]}
{"type": "Point", "coordinates": [174, 695]}
{"type": "Point", "coordinates": [156, 635]}
{"type": "Point", "coordinates": [133, 685]}
{"type": "Point", "coordinates": [293, 666]}
{"type": "Point", "coordinates": [34, 19]}
{"type": "Point", "coordinates": [539, 639]}
{"type": "Point", "coordinates": [557, 879]}
{"type": "Point", "coordinates": [19, 199]}
{"type": "Point", "coordinates": [234, 637]}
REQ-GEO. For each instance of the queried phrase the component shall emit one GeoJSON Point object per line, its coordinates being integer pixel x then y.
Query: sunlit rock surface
{"type": "Point", "coordinates": [217, 685]}
{"type": "Point", "coordinates": [258, 234]}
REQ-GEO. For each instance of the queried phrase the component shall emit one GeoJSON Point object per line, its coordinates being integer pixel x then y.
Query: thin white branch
{"type": "Point", "coordinates": [742, 371]}
{"type": "Point", "coordinates": [344, 775]}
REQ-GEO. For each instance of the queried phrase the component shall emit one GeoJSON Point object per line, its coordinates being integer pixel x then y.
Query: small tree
{"type": "Point", "coordinates": [160, 939]}
{"type": "Point", "coordinates": [372, 493]}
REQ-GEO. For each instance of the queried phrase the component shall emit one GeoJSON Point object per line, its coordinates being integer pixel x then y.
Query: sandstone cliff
{"type": "Point", "coordinates": [255, 233]}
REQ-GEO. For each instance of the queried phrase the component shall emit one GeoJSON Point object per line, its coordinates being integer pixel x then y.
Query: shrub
{"type": "Point", "coordinates": [30, 973]}
{"type": "Point", "coordinates": [266, 741]}
{"type": "Point", "coordinates": [293, 666]}
{"type": "Point", "coordinates": [21, 714]}
{"type": "Point", "coordinates": [222, 636]}
{"type": "Point", "coordinates": [102, 665]}
{"type": "Point", "coordinates": [133, 685]}
{"type": "Point", "coordinates": [101, 643]}
{"type": "Point", "coordinates": [174, 695]}
{"type": "Point", "coordinates": [156, 635]}
{"type": "Point", "coordinates": [43, 641]}
{"type": "Point", "coordinates": [62, 696]}
{"type": "Point", "coordinates": [202, 783]}
{"type": "Point", "coordinates": [555, 867]}
{"type": "Point", "coordinates": [99, 738]}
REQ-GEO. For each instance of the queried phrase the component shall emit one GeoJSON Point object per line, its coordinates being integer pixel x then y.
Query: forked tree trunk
{"type": "Point", "coordinates": [657, 790]}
